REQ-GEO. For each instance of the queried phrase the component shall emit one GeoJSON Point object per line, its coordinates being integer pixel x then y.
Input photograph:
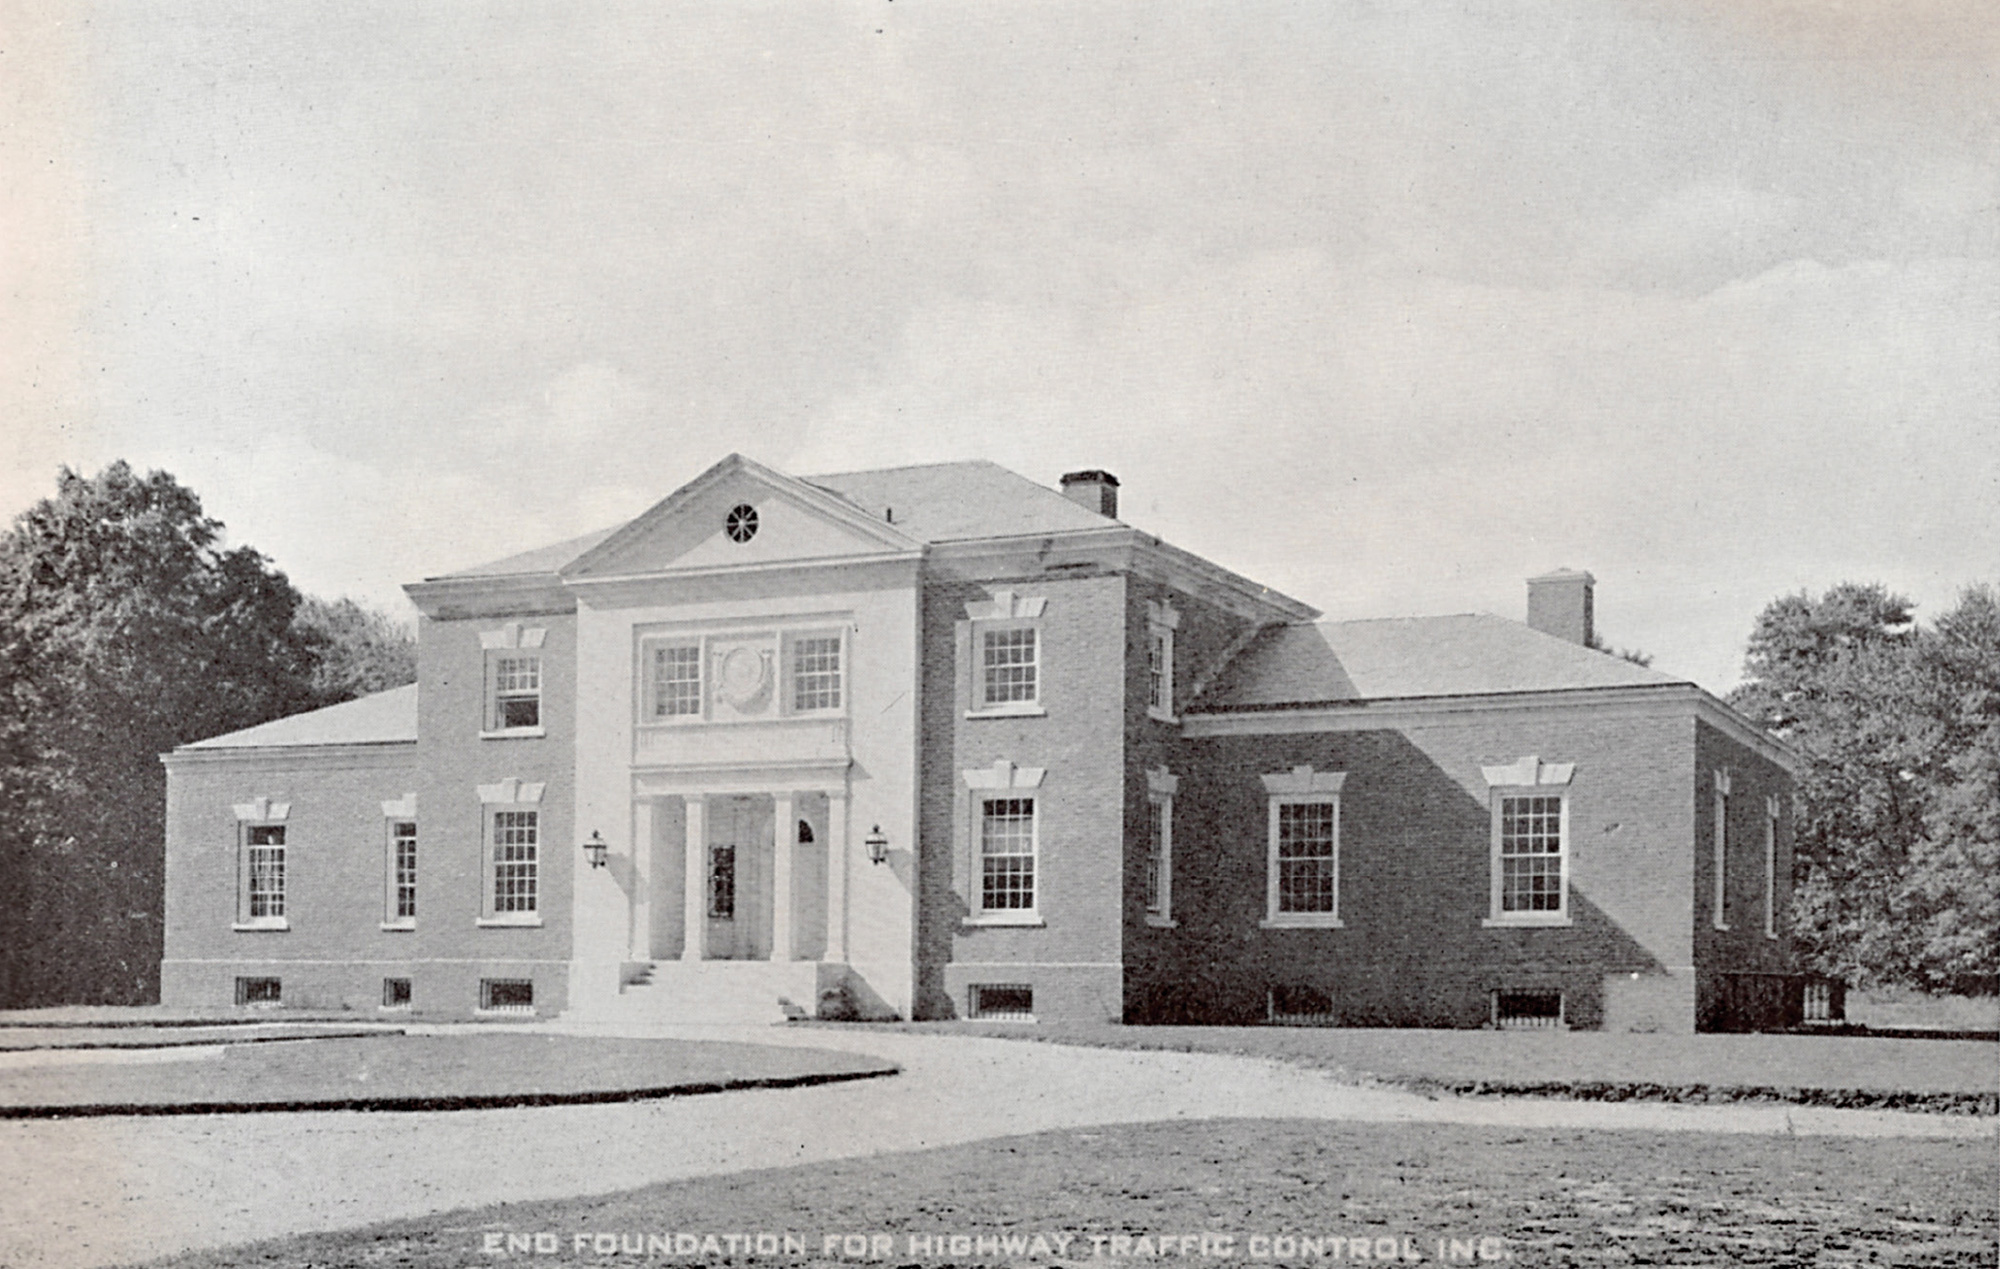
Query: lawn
{"type": "Point", "coordinates": [402, 1072]}
{"type": "Point", "coordinates": [1551, 1198]}
{"type": "Point", "coordinates": [1949, 1075]}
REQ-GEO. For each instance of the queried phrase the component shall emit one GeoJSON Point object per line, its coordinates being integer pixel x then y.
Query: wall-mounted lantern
{"type": "Point", "coordinates": [594, 849]}
{"type": "Point", "coordinates": [877, 844]}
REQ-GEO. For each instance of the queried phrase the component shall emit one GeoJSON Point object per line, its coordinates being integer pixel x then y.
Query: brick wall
{"type": "Point", "coordinates": [1415, 868]}
{"type": "Point", "coordinates": [1072, 960]}
{"type": "Point", "coordinates": [1742, 948]}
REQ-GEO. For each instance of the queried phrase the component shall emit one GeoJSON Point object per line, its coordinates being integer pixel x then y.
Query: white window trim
{"type": "Point", "coordinates": [261, 812]}
{"type": "Point", "coordinates": [509, 794]}
{"type": "Point", "coordinates": [1162, 619]}
{"type": "Point", "coordinates": [401, 811]}
{"type": "Point", "coordinates": [1000, 780]}
{"type": "Point", "coordinates": [1005, 611]}
{"type": "Point", "coordinates": [1719, 912]}
{"type": "Point", "coordinates": [1161, 786]}
{"type": "Point", "coordinates": [1771, 810]}
{"type": "Point", "coordinates": [512, 637]}
{"type": "Point", "coordinates": [1526, 777]}
{"type": "Point", "coordinates": [1299, 785]}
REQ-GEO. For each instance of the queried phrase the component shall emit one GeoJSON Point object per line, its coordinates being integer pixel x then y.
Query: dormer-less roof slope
{"type": "Point", "coordinates": [958, 502]}
{"type": "Point", "coordinates": [938, 502]}
{"type": "Point", "coordinates": [381, 718]}
{"type": "Point", "coordinates": [1471, 654]}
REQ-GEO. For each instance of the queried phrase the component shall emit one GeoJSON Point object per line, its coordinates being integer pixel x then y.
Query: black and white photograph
{"type": "Point", "coordinates": [891, 633]}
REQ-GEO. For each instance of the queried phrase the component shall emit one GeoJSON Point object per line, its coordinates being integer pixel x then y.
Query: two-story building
{"type": "Point", "coordinates": [942, 742]}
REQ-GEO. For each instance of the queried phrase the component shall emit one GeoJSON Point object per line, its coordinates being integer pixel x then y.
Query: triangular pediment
{"type": "Point", "coordinates": [699, 528]}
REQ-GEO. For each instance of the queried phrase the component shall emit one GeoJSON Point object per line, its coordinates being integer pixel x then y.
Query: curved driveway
{"type": "Point", "coordinates": [108, 1191]}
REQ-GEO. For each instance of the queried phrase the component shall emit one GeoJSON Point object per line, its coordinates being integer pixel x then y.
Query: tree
{"type": "Point", "coordinates": [126, 628]}
{"type": "Point", "coordinates": [359, 650]}
{"type": "Point", "coordinates": [1891, 720]}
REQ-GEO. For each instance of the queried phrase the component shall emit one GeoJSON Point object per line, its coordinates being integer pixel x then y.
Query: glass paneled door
{"type": "Point", "coordinates": [738, 877]}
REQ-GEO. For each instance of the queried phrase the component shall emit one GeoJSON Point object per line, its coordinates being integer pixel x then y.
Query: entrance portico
{"type": "Point", "coordinates": [727, 872]}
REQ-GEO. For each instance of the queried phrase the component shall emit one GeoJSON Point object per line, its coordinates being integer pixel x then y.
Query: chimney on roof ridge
{"type": "Point", "coordinates": [1093, 491]}
{"type": "Point", "coordinates": [1562, 604]}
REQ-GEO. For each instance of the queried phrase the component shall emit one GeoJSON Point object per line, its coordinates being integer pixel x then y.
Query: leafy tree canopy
{"type": "Point", "coordinates": [1899, 845]}
{"type": "Point", "coordinates": [127, 627]}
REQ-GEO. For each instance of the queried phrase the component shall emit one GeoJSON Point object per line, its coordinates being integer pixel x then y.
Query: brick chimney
{"type": "Point", "coordinates": [1093, 491]}
{"type": "Point", "coordinates": [1561, 604]}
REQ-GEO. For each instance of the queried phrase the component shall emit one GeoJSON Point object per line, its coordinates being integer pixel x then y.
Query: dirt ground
{"type": "Point", "coordinates": [1551, 1198]}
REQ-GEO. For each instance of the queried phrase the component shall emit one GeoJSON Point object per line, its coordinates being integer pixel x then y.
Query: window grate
{"type": "Point", "coordinates": [1003, 1000]}
{"type": "Point", "coordinates": [507, 995]}
{"type": "Point", "coordinates": [1528, 1010]}
{"type": "Point", "coordinates": [259, 991]}
{"type": "Point", "coordinates": [395, 993]}
{"type": "Point", "coordinates": [1295, 1005]}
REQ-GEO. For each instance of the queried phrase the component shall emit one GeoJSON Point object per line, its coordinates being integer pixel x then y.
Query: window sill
{"type": "Point", "coordinates": [1550, 922]}
{"type": "Point", "coordinates": [1303, 921]}
{"type": "Point", "coordinates": [1014, 1019]}
{"type": "Point", "coordinates": [1772, 935]}
{"type": "Point", "coordinates": [266, 925]}
{"type": "Point", "coordinates": [1005, 919]}
{"type": "Point", "coordinates": [1018, 709]}
{"type": "Point", "coordinates": [525, 921]}
{"type": "Point", "coordinates": [515, 733]}
{"type": "Point", "coordinates": [1161, 922]}
{"type": "Point", "coordinates": [1719, 928]}
{"type": "Point", "coordinates": [399, 927]}
{"type": "Point", "coordinates": [1159, 715]}
{"type": "Point", "coordinates": [394, 1009]}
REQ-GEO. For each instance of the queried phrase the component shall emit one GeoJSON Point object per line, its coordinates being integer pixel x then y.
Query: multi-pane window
{"type": "Point", "coordinates": [816, 673]}
{"type": "Point", "coordinates": [1308, 859]}
{"type": "Point", "coordinates": [1158, 694]}
{"type": "Point", "coordinates": [517, 691]}
{"type": "Point", "coordinates": [403, 870]}
{"type": "Point", "coordinates": [677, 681]}
{"type": "Point", "coordinates": [264, 872]}
{"type": "Point", "coordinates": [1010, 667]}
{"type": "Point", "coordinates": [1007, 855]}
{"type": "Point", "coordinates": [722, 883]}
{"type": "Point", "coordinates": [1531, 854]}
{"type": "Point", "coordinates": [516, 861]}
{"type": "Point", "coordinates": [1771, 868]}
{"type": "Point", "coordinates": [1156, 857]}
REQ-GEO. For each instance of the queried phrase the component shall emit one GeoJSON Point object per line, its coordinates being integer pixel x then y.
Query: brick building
{"type": "Point", "coordinates": [941, 742]}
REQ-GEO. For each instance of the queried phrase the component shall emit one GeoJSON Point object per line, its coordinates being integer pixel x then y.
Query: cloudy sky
{"type": "Point", "coordinates": [1387, 305]}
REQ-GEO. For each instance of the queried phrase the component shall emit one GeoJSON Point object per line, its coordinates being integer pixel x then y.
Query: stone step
{"type": "Point", "coordinates": [711, 992]}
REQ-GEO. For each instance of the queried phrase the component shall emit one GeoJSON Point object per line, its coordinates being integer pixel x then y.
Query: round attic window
{"type": "Point", "coordinates": [741, 522]}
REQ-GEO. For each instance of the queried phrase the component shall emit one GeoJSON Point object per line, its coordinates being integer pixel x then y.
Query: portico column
{"type": "Point", "coordinates": [641, 942]}
{"type": "Point", "coordinates": [784, 844]}
{"type": "Point", "coordinates": [836, 877]}
{"type": "Point", "coordinates": [695, 898]}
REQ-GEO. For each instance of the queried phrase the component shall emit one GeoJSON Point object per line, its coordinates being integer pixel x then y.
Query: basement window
{"type": "Point", "coordinates": [1528, 1010]}
{"type": "Point", "coordinates": [259, 991]}
{"type": "Point", "coordinates": [1299, 1006]}
{"type": "Point", "coordinates": [1011, 1001]}
{"type": "Point", "coordinates": [395, 993]}
{"type": "Point", "coordinates": [506, 995]}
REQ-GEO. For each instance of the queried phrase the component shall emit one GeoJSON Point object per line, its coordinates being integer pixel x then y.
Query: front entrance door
{"type": "Point", "coordinates": [739, 878]}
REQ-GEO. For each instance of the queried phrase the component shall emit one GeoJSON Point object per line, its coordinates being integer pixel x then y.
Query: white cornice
{"type": "Point", "coordinates": [1631, 702]}
{"type": "Point", "coordinates": [511, 595]}
{"type": "Point", "coordinates": [642, 588]}
{"type": "Point", "coordinates": [375, 755]}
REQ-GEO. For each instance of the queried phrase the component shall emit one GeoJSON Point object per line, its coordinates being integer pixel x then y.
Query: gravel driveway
{"type": "Point", "coordinates": [110, 1191]}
